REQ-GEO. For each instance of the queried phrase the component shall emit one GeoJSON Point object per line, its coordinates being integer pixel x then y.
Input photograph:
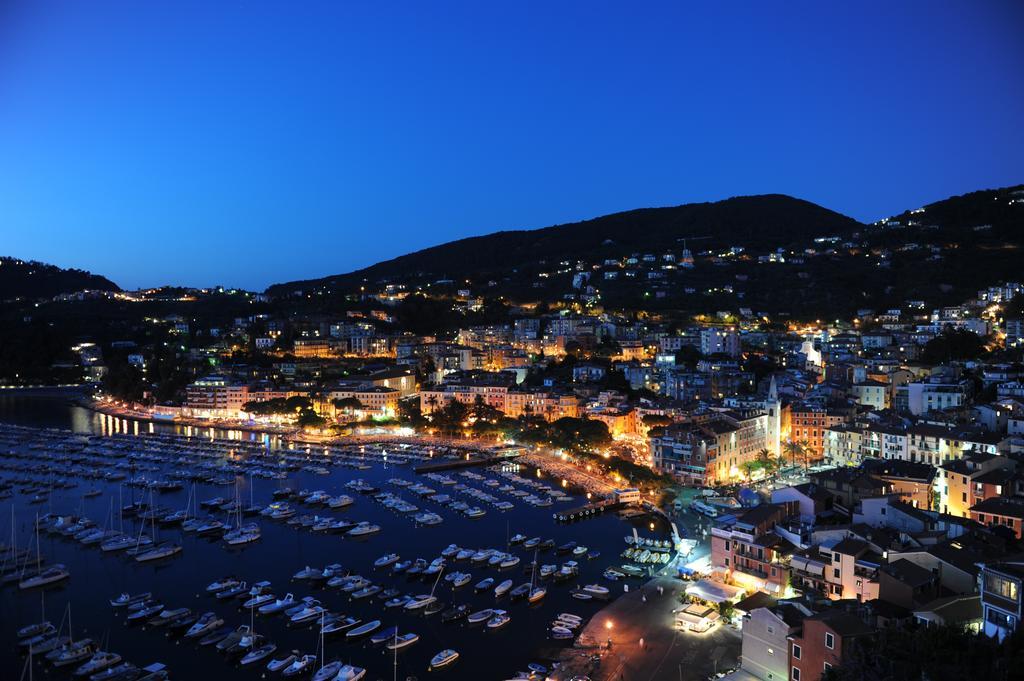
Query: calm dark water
{"type": "Point", "coordinates": [283, 550]}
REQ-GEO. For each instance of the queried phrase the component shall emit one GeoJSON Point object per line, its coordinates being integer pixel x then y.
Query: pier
{"type": "Point", "coordinates": [454, 464]}
{"type": "Point", "coordinates": [587, 510]}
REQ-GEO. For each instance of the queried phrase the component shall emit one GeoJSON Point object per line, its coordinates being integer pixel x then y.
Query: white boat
{"type": "Point", "coordinates": [51, 575]}
{"type": "Point", "coordinates": [281, 663]}
{"type": "Point", "coordinates": [503, 588]}
{"type": "Point", "coordinates": [384, 561]}
{"type": "Point", "coordinates": [561, 633]}
{"type": "Point", "coordinates": [500, 619]}
{"type": "Point", "coordinates": [596, 590]}
{"type": "Point", "coordinates": [364, 629]}
{"type": "Point", "coordinates": [126, 599]}
{"type": "Point", "coordinates": [258, 654]}
{"type": "Point", "coordinates": [480, 616]}
{"type": "Point", "coordinates": [300, 665]}
{"type": "Point", "coordinates": [71, 653]}
{"type": "Point", "coordinates": [222, 584]}
{"type": "Point", "coordinates": [350, 673]}
{"type": "Point", "coordinates": [403, 641]}
{"type": "Point", "coordinates": [277, 606]}
{"type": "Point", "coordinates": [443, 658]}
{"type": "Point", "coordinates": [328, 671]}
{"type": "Point", "coordinates": [100, 660]}
{"type": "Point", "coordinates": [363, 529]}
{"type": "Point", "coordinates": [257, 601]}
{"type": "Point", "coordinates": [206, 623]}
{"type": "Point", "coordinates": [309, 612]}
{"type": "Point", "coordinates": [158, 552]}
{"type": "Point", "coordinates": [509, 561]}
{"type": "Point", "coordinates": [420, 601]}
{"type": "Point", "coordinates": [243, 535]}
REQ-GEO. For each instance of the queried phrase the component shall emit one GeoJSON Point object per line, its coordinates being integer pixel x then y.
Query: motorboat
{"type": "Point", "coordinates": [36, 629]}
{"type": "Point", "coordinates": [328, 672]}
{"type": "Point", "coordinates": [484, 584]}
{"type": "Point", "coordinates": [143, 614]}
{"type": "Point", "coordinates": [384, 635]}
{"type": "Point", "coordinates": [221, 584]}
{"type": "Point", "coordinates": [232, 639]}
{"type": "Point", "coordinates": [517, 539]}
{"type": "Point", "coordinates": [307, 573]}
{"type": "Point", "coordinates": [308, 613]}
{"type": "Point", "coordinates": [258, 654]}
{"type": "Point", "coordinates": [455, 613]}
{"type": "Point", "coordinates": [240, 589]}
{"type": "Point", "coordinates": [350, 672]}
{"type": "Point", "coordinates": [166, 616]}
{"type": "Point", "coordinates": [500, 619]}
{"type": "Point", "coordinates": [561, 633]}
{"type": "Point", "coordinates": [126, 599]}
{"type": "Point", "coordinates": [301, 666]}
{"type": "Point", "coordinates": [421, 601]}
{"type": "Point", "coordinates": [443, 658]}
{"type": "Point", "coordinates": [366, 592]}
{"type": "Point", "coordinates": [281, 663]}
{"type": "Point", "coordinates": [520, 591]}
{"type": "Point", "coordinates": [277, 606]}
{"type": "Point", "coordinates": [402, 641]}
{"type": "Point", "coordinates": [509, 562]}
{"type": "Point", "coordinates": [397, 601]}
{"type": "Point", "coordinates": [596, 590]}
{"type": "Point", "coordinates": [337, 624]}
{"type": "Point", "coordinates": [125, 670]}
{"type": "Point", "coordinates": [503, 588]}
{"type": "Point", "coordinates": [206, 623]}
{"type": "Point", "coordinates": [363, 629]}
{"type": "Point", "coordinates": [384, 561]}
{"type": "Point", "coordinates": [480, 616]}
{"type": "Point", "coordinates": [363, 529]}
{"type": "Point", "coordinates": [257, 601]}
{"type": "Point", "coordinates": [450, 551]}
{"type": "Point", "coordinates": [71, 653]}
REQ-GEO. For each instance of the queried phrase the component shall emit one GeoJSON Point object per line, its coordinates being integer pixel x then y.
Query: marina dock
{"type": "Point", "coordinates": [587, 510]}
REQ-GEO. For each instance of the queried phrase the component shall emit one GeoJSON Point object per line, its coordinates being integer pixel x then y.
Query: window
{"type": "Point", "coordinates": [796, 673]}
{"type": "Point", "coordinates": [796, 652]}
{"type": "Point", "coordinates": [827, 666]}
{"type": "Point", "coordinates": [830, 641]}
{"type": "Point", "coordinates": [771, 629]}
{"type": "Point", "coordinates": [1000, 586]}
{"type": "Point", "coordinates": [835, 573]}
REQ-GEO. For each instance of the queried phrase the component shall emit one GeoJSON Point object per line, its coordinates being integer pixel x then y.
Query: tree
{"type": "Point", "coordinates": [797, 450]}
{"type": "Point", "coordinates": [952, 345]}
{"type": "Point", "coordinates": [310, 419]}
{"type": "Point", "coordinates": [348, 404]}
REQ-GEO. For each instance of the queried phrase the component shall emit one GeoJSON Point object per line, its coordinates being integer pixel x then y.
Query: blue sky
{"type": "Point", "coordinates": [246, 143]}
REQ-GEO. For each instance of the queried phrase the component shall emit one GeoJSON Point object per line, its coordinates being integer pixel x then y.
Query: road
{"type": "Point", "coordinates": [645, 646]}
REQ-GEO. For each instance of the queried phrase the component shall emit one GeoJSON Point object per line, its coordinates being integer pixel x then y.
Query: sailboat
{"type": "Point", "coordinates": [51, 575]}
{"type": "Point", "coordinates": [242, 534]}
{"type": "Point", "coordinates": [165, 550]}
{"type": "Point", "coordinates": [536, 593]}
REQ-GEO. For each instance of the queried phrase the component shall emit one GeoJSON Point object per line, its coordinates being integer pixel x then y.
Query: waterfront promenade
{"type": "Point", "coordinates": [665, 653]}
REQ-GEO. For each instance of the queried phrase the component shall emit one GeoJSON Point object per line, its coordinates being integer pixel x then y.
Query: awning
{"type": "Point", "coordinates": [714, 592]}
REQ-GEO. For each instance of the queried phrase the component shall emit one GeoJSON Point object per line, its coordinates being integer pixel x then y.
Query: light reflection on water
{"type": "Point", "coordinates": [281, 552]}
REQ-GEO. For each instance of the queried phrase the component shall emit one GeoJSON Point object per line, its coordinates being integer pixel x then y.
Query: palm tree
{"type": "Point", "coordinates": [794, 448]}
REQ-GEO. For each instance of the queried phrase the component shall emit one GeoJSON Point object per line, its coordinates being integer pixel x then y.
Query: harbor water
{"type": "Point", "coordinates": [284, 549]}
